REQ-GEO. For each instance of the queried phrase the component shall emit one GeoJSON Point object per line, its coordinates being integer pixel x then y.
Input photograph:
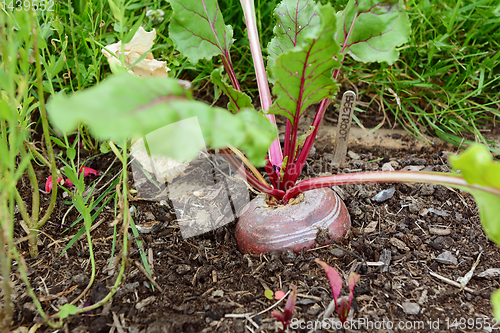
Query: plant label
{"type": "Point", "coordinates": [344, 127]}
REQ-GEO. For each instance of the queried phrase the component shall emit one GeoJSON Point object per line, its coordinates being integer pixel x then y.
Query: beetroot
{"type": "Point", "coordinates": [265, 228]}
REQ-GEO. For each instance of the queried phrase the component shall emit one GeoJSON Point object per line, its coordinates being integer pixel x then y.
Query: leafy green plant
{"type": "Point", "coordinates": [17, 77]}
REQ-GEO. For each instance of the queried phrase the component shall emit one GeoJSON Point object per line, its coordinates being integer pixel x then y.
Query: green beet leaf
{"type": "Point", "coordinates": [198, 30]}
{"type": "Point", "coordinates": [125, 106]}
{"type": "Point", "coordinates": [294, 19]}
{"type": "Point", "coordinates": [373, 29]}
{"type": "Point", "coordinates": [304, 74]}
{"type": "Point", "coordinates": [476, 166]}
{"type": "Point", "coordinates": [495, 302]}
{"type": "Point", "coordinates": [237, 99]}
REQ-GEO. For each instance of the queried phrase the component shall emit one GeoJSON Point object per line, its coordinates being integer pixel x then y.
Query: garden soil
{"type": "Point", "coordinates": [410, 250]}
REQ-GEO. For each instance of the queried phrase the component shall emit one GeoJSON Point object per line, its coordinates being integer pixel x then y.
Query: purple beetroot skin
{"type": "Point", "coordinates": [262, 228]}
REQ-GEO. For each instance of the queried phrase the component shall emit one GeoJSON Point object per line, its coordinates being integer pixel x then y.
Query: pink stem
{"type": "Point", "coordinates": [278, 194]}
{"type": "Point", "coordinates": [384, 177]}
{"type": "Point", "coordinates": [271, 173]}
{"type": "Point", "coordinates": [275, 154]}
{"type": "Point", "coordinates": [301, 161]}
{"type": "Point", "coordinates": [228, 66]}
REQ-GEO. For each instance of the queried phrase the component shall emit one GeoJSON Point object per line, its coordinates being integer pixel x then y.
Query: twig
{"type": "Point", "coordinates": [251, 321]}
{"type": "Point", "coordinates": [143, 271]}
{"type": "Point", "coordinates": [272, 306]}
{"type": "Point", "coordinates": [453, 283]}
{"type": "Point", "coordinates": [117, 324]}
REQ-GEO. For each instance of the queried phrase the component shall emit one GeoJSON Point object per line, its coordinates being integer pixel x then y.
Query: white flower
{"type": "Point", "coordinates": [141, 43]}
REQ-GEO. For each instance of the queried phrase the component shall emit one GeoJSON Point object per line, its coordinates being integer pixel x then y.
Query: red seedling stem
{"type": "Point", "coordinates": [383, 177]}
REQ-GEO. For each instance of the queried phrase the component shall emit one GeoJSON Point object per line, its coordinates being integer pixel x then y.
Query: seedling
{"type": "Point", "coordinates": [288, 311]}
{"type": "Point", "coordinates": [343, 304]}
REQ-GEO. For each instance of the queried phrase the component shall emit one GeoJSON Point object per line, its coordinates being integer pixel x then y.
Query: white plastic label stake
{"type": "Point", "coordinates": [344, 127]}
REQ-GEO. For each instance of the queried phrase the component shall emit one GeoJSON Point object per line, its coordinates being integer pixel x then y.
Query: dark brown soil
{"type": "Point", "coordinates": [208, 285]}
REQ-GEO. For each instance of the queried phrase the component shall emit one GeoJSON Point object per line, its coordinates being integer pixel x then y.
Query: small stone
{"type": "Point", "coordinates": [353, 155]}
{"type": "Point", "coordinates": [413, 168]}
{"type": "Point", "coordinates": [387, 167]}
{"type": "Point", "coordinates": [427, 189]}
{"type": "Point", "coordinates": [490, 274]}
{"type": "Point", "coordinates": [384, 195]}
{"type": "Point", "coordinates": [183, 269]}
{"type": "Point", "coordinates": [356, 210]}
{"type": "Point", "coordinates": [411, 308]}
{"type": "Point", "coordinates": [414, 208]}
{"type": "Point", "coordinates": [314, 310]}
{"type": "Point", "coordinates": [306, 301]}
{"type": "Point", "coordinates": [446, 258]}
{"type": "Point", "coordinates": [304, 268]}
{"type": "Point", "coordinates": [438, 212]}
{"type": "Point", "coordinates": [131, 287]}
{"type": "Point", "coordinates": [81, 280]}
{"type": "Point", "coordinates": [424, 212]}
{"type": "Point", "coordinates": [336, 252]}
{"type": "Point", "coordinates": [418, 161]}
{"type": "Point", "coordinates": [445, 241]}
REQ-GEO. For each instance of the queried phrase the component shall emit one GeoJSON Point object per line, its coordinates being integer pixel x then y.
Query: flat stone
{"type": "Point", "coordinates": [384, 195]}
{"type": "Point", "coordinates": [490, 274]}
{"type": "Point", "coordinates": [387, 167]}
{"type": "Point", "coordinates": [411, 308]}
{"type": "Point", "coordinates": [353, 155]}
{"type": "Point", "coordinates": [446, 258]}
{"type": "Point", "coordinates": [438, 212]}
{"type": "Point", "coordinates": [80, 279]}
{"type": "Point", "coordinates": [339, 253]}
